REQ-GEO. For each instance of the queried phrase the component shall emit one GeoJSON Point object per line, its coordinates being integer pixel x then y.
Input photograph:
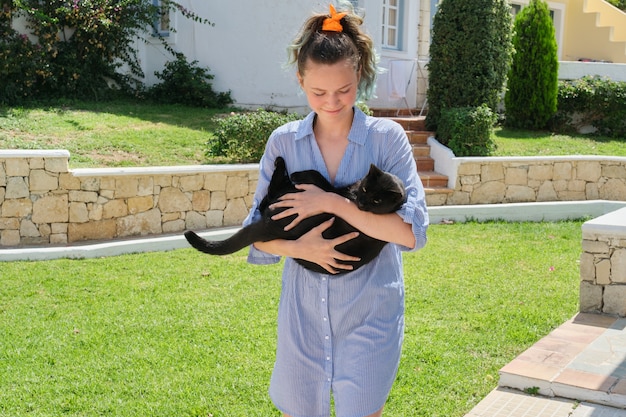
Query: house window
{"type": "Point", "coordinates": [392, 24]}
{"type": "Point", "coordinates": [161, 26]}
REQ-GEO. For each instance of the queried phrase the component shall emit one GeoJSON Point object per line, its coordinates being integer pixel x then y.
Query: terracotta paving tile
{"type": "Point", "coordinates": [597, 320]}
{"type": "Point", "coordinates": [619, 388]}
{"type": "Point", "coordinates": [531, 370]}
{"type": "Point", "coordinates": [547, 357]}
{"type": "Point", "coordinates": [563, 347]}
{"type": "Point", "coordinates": [586, 380]}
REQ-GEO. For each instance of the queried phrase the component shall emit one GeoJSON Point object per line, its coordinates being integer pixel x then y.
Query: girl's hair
{"type": "Point", "coordinates": [328, 47]}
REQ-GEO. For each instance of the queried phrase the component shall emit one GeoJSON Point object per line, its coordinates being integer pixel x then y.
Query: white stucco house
{"type": "Point", "coordinates": [246, 48]}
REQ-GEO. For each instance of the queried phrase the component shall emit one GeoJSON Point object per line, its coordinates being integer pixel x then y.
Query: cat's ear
{"type": "Point", "coordinates": [374, 171]}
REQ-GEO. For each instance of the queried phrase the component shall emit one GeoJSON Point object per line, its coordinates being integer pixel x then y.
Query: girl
{"type": "Point", "coordinates": [338, 335]}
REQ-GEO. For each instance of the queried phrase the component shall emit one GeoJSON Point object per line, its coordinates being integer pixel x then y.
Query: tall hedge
{"type": "Point", "coordinates": [531, 97]}
{"type": "Point", "coordinates": [470, 54]}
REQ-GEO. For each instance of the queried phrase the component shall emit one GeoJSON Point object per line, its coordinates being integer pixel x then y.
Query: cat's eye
{"type": "Point", "coordinates": [378, 201]}
{"type": "Point", "coordinates": [363, 189]}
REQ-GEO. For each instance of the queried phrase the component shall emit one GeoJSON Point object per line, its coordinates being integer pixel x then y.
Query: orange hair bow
{"type": "Point", "coordinates": [332, 23]}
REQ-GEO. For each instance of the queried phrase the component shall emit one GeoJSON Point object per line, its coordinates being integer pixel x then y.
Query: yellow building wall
{"type": "Point", "coordinates": [592, 29]}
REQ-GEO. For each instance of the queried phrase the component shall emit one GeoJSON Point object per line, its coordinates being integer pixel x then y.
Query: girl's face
{"type": "Point", "coordinates": [331, 90]}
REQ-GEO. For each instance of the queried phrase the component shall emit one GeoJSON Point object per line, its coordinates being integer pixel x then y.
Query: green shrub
{"type": "Point", "coordinates": [80, 46]}
{"type": "Point", "coordinates": [531, 97]}
{"type": "Point", "coordinates": [186, 83]}
{"type": "Point", "coordinates": [591, 101]}
{"type": "Point", "coordinates": [467, 130]}
{"type": "Point", "coordinates": [241, 137]}
{"type": "Point", "coordinates": [470, 55]}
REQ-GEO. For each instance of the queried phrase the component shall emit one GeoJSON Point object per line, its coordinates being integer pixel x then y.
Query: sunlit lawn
{"type": "Point", "coordinates": [183, 334]}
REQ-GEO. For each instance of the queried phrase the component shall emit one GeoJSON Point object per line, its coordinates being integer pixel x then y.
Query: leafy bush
{"type": "Point", "coordinates": [470, 55]}
{"type": "Point", "coordinates": [591, 101]}
{"type": "Point", "coordinates": [80, 45]}
{"type": "Point", "coordinates": [186, 83]}
{"type": "Point", "coordinates": [241, 137]}
{"type": "Point", "coordinates": [531, 97]}
{"type": "Point", "coordinates": [467, 130]}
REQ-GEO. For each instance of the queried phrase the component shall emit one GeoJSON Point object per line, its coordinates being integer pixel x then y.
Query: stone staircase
{"type": "Point", "coordinates": [435, 184]}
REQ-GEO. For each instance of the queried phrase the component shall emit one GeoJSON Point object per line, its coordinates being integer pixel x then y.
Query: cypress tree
{"type": "Point", "coordinates": [470, 54]}
{"type": "Point", "coordinates": [532, 90]}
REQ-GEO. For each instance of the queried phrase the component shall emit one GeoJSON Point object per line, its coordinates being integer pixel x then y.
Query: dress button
{"type": "Point", "coordinates": [327, 337]}
{"type": "Point", "coordinates": [323, 300]}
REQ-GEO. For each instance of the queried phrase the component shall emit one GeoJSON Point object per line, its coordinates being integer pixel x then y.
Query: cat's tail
{"type": "Point", "coordinates": [219, 247]}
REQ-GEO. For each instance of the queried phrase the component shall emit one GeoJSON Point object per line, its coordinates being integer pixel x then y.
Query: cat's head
{"type": "Point", "coordinates": [380, 192]}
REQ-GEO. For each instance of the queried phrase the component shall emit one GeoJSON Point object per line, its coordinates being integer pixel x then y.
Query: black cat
{"type": "Point", "coordinates": [378, 192]}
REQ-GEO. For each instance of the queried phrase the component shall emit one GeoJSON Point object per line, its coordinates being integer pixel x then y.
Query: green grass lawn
{"type": "Point", "coordinates": [121, 133]}
{"type": "Point", "coordinates": [184, 334]}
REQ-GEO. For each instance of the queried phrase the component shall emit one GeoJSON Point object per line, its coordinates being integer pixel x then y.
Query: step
{"type": "Point", "coordinates": [425, 163]}
{"type": "Point", "coordinates": [418, 136]}
{"type": "Point", "coordinates": [432, 179]}
{"type": "Point", "coordinates": [411, 122]}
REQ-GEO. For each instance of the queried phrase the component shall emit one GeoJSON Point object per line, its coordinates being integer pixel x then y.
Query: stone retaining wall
{"type": "Point", "coordinates": [43, 202]}
{"type": "Point", "coordinates": [603, 265]}
{"type": "Point", "coordinates": [533, 179]}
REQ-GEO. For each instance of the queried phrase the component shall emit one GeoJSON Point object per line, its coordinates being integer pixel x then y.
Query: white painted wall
{"type": "Point", "coordinates": [246, 49]}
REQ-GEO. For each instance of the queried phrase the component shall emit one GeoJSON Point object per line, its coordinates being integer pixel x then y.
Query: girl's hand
{"type": "Point", "coordinates": [311, 201]}
{"type": "Point", "coordinates": [314, 248]}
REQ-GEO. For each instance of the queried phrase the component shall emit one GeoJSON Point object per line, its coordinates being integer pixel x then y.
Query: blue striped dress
{"type": "Point", "coordinates": [341, 334]}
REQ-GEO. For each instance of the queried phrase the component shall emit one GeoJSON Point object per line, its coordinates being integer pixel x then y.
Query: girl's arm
{"type": "Point", "coordinates": [387, 227]}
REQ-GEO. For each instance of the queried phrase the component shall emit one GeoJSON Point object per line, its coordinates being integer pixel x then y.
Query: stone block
{"type": "Point", "coordinates": [613, 189]}
{"type": "Point", "coordinates": [218, 200]}
{"type": "Point", "coordinates": [78, 213]}
{"type": "Point", "coordinates": [603, 272]}
{"type": "Point", "coordinates": [41, 180]}
{"type": "Point", "coordinates": [147, 223]}
{"type": "Point", "coordinates": [588, 171]}
{"type": "Point", "coordinates": [236, 187]}
{"type": "Point", "coordinates": [469, 180]}
{"type": "Point", "coordinates": [547, 192]}
{"type": "Point", "coordinates": [174, 226]}
{"type": "Point", "coordinates": [28, 229]}
{"type": "Point", "coordinates": [17, 167]}
{"type": "Point", "coordinates": [562, 171]}
{"type": "Point", "coordinates": [590, 300]}
{"type": "Point", "coordinates": [126, 187]}
{"type": "Point", "coordinates": [595, 246]}
{"type": "Point", "coordinates": [614, 300]}
{"type": "Point", "coordinates": [516, 176]}
{"type": "Point", "coordinates": [51, 209]}
{"type": "Point", "coordinates": [488, 193]}
{"type": "Point", "coordinates": [215, 218]}
{"type": "Point", "coordinates": [618, 266]}
{"type": "Point", "coordinates": [519, 194]}
{"type": "Point", "coordinates": [56, 164]}
{"type": "Point", "coordinates": [145, 187]}
{"type": "Point", "coordinates": [102, 230]}
{"type": "Point", "coordinates": [172, 199]}
{"type": "Point", "coordinates": [614, 171]}
{"type": "Point", "coordinates": [195, 220]}
{"type": "Point", "coordinates": [541, 172]}
{"type": "Point", "coordinates": [201, 200]}
{"type": "Point", "coordinates": [17, 187]}
{"type": "Point", "coordinates": [469, 169]}
{"type": "Point", "coordinates": [140, 204]}
{"type": "Point", "coordinates": [90, 184]}
{"type": "Point", "coordinates": [9, 237]}
{"type": "Point", "coordinates": [491, 172]}
{"type": "Point", "coordinates": [67, 181]}
{"type": "Point", "coordinates": [587, 267]}
{"type": "Point", "coordinates": [235, 212]}
{"type": "Point", "coordinates": [191, 183]}
{"type": "Point", "coordinates": [114, 209]}
{"type": "Point", "coordinates": [215, 182]}
{"type": "Point", "coordinates": [83, 196]}
{"type": "Point", "coordinates": [9, 223]}
{"type": "Point", "coordinates": [17, 208]}
{"type": "Point", "coordinates": [36, 163]}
